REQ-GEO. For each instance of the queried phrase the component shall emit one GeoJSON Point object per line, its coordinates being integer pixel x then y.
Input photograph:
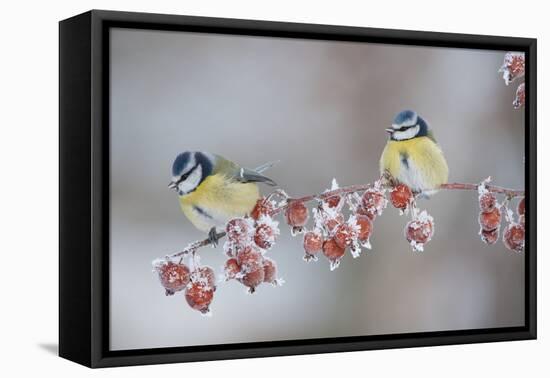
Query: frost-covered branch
{"type": "Point", "coordinates": [193, 247]}
{"type": "Point", "coordinates": [341, 219]}
{"type": "Point", "coordinates": [490, 188]}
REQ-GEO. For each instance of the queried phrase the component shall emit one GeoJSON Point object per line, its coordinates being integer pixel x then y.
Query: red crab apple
{"type": "Point", "coordinates": [401, 196]}
{"type": "Point", "coordinates": [249, 259]}
{"type": "Point", "coordinates": [264, 237]}
{"type": "Point", "coordinates": [332, 202]}
{"type": "Point", "coordinates": [174, 277]}
{"type": "Point", "coordinates": [313, 242]}
{"type": "Point", "coordinates": [263, 207]}
{"type": "Point", "coordinates": [231, 268]}
{"type": "Point", "coordinates": [296, 214]}
{"type": "Point", "coordinates": [419, 231]}
{"type": "Point", "coordinates": [199, 296]}
{"type": "Point", "coordinates": [489, 220]}
{"type": "Point", "coordinates": [332, 221]}
{"type": "Point", "coordinates": [238, 230]}
{"type": "Point", "coordinates": [204, 275]}
{"type": "Point", "coordinates": [253, 278]}
{"type": "Point", "coordinates": [270, 271]}
{"type": "Point", "coordinates": [344, 235]}
{"type": "Point", "coordinates": [514, 237]}
{"type": "Point", "coordinates": [521, 206]}
{"type": "Point", "coordinates": [490, 237]}
{"type": "Point", "coordinates": [332, 250]}
{"type": "Point", "coordinates": [373, 201]}
{"type": "Point", "coordinates": [365, 227]}
{"type": "Point", "coordinates": [487, 202]}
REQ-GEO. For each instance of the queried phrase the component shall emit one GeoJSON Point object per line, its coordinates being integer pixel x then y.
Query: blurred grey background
{"type": "Point", "coordinates": [321, 108]}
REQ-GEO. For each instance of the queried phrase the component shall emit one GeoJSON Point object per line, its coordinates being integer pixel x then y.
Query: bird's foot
{"type": "Point", "coordinates": [213, 236]}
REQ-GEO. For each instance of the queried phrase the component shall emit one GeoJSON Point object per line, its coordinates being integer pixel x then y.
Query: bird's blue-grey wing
{"type": "Point", "coordinates": [249, 175]}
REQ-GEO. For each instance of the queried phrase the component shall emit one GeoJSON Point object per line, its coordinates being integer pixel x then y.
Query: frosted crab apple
{"type": "Point", "coordinates": [401, 197]}
{"type": "Point", "coordinates": [514, 237]}
{"type": "Point", "coordinates": [490, 220]}
{"type": "Point", "coordinates": [313, 244]}
{"type": "Point", "coordinates": [489, 237]}
{"type": "Point", "coordinates": [270, 271]}
{"type": "Point", "coordinates": [487, 201]}
{"type": "Point", "coordinates": [333, 252]}
{"type": "Point", "coordinates": [297, 215]}
{"type": "Point", "coordinates": [199, 296]}
{"type": "Point", "coordinates": [374, 201]}
{"type": "Point", "coordinates": [252, 278]}
{"type": "Point", "coordinates": [231, 269]}
{"type": "Point", "coordinates": [173, 277]}
{"type": "Point", "coordinates": [263, 207]}
{"type": "Point", "coordinates": [266, 232]}
{"type": "Point", "coordinates": [365, 228]}
{"type": "Point", "coordinates": [344, 235]}
{"type": "Point", "coordinates": [204, 275]}
{"type": "Point", "coordinates": [238, 231]}
{"type": "Point", "coordinates": [513, 66]}
{"type": "Point", "coordinates": [419, 231]}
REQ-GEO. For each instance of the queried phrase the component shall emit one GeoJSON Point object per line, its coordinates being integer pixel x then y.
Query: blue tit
{"type": "Point", "coordinates": [213, 190]}
{"type": "Point", "coordinates": [412, 155]}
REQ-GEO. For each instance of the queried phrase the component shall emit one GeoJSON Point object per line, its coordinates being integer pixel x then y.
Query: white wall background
{"type": "Point", "coordinates": [28, 207]}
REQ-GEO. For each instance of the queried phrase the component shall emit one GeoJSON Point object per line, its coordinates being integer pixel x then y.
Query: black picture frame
{"type": "Point", "coordinates": [84, 188]}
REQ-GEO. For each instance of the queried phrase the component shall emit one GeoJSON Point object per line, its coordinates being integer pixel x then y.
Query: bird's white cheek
{"type": "Point", "coordinates": [407, 134]}
{"type": "Point", "coordinates": [191, 182]}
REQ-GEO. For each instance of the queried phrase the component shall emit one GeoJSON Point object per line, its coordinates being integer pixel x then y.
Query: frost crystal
{"type": "Point", "coordinates": [366, 244]}
{"type": "Point", "coordinates": [268, 221]}
{"type": "Point", "coordinates": [309, 258]}
{"type": "Point", "coordinates": [207, 313]}
{"type": "Point", "coordinates": [158, 263]}
{"type": "Point", "coordinates": [417, 247]}
{"type": "Point", "coordinates": [355, 250]}
{"type": "Point", "coordinates": [482, 187]}
{"type": "Point", "coordinates": [334, 264]}
{"type": "Point", "coordinates": [425, 217]}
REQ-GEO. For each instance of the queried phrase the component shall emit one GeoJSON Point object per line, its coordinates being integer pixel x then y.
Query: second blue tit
{"type": "Point", "coordinates": [412, 155]}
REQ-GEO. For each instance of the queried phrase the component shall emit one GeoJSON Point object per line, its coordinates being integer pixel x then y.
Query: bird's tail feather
{"type": "Point", "coordinates": [266, 166]}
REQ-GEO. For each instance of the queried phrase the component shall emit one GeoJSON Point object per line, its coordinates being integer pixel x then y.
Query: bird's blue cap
{"type": "Point", "coordinates": [406, 118]}
{"type": "Point", "coordinates": [188, 160]}
{"type": "Point", "coordinates": [180, 163]}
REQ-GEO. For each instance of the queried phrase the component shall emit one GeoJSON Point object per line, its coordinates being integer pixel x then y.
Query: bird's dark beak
{"type": "Point", "coordinates": [172, 185]}
{"type": "Point", "coordinates": [390, 131]}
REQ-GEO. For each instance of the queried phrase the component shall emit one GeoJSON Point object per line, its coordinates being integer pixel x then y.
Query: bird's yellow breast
{"type": "Point", "coordinates": [417, 162]}
{"type": "Point", "coordinates": [218, 199]}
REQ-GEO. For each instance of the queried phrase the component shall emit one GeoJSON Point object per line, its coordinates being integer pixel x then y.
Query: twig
{"type": "Point", "coordinates": [491, 188]}
{"type": "Point", "coordinates": [510, 193]}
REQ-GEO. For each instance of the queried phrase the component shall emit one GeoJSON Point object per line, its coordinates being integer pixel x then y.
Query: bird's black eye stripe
{"type": "Point", "coordinates": [404, 128]}
{"type": "Point", "coordinates": [185, 175]}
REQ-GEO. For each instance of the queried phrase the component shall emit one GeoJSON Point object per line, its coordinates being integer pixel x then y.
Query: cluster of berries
{"type": "Point", "coordinates": [248, 240]}
{"type": "Point", "coordinates": [512, 68]}
{"type": "Point", "coordinates": [490, 219]}
{"type": "Point", "coordinates": [199, 283]}
{"type": "Point", "coordinates": [420, 229]}
{"type": "Point", "coordinates": [332, 234]}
